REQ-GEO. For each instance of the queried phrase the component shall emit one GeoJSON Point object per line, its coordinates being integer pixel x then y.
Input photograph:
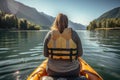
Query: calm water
{"type": "Point", "coordinates": [21, 53]}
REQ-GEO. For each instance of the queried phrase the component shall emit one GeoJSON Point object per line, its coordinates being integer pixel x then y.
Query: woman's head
{"type": "Point", "coordinates": [60, 23]}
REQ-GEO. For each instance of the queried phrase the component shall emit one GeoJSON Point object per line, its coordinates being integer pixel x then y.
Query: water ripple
{"type": "Point", "coordinates": [4, 49]}
{"type": "Point", "coordinates": [22, 51]}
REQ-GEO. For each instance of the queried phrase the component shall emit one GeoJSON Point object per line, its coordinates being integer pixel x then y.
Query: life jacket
{"type": "Point", "coordinates": [61, 45]}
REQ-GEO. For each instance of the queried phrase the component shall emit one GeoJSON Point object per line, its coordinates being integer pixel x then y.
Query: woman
{"type": "Point", "coordinates": [62, 46]}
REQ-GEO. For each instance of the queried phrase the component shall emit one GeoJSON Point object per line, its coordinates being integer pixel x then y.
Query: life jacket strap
{"type": "Point", "coordinates": [51, 52]}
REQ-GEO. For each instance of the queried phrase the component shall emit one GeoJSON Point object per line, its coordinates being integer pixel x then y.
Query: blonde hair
{"type": "Point", "coordinates": [60, 23]}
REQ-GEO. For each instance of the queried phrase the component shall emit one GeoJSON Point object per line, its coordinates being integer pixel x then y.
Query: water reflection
{"type": "Point", "coordinates": [108, 42]}
{"type": "Point", "coordinates": [21, 52]}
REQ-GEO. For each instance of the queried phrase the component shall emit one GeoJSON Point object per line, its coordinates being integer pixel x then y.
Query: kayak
{"type": "Point", "coordinates": [86, 70]}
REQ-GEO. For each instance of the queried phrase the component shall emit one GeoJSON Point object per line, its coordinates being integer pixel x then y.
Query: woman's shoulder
{"type": "Point", "coordinates": [49, 32]}
{"type": "Point", "coordinates": [74, 32]}
{"type": "Point", "coordinates": [48, 35]}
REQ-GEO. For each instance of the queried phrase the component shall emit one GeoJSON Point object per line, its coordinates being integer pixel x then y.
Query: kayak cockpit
{"type": "Point", "coordinates": [86, 70]}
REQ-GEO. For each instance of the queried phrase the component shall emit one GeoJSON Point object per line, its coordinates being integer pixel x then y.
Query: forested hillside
{"type": "Point", "coordinates": [109, 20]}
{"type": "Point", "coordinates": [10, 21]}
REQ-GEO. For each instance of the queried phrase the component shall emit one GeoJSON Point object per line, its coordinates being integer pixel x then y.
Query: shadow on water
{"type": "Point", "coordinates": [21, 52]}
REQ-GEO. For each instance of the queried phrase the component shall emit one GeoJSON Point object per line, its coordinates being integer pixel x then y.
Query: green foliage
{"type": "Point", "coordinates": [23, 24]}
{"type": "Point", "coordinates": [10, 21]}
{"type": "Point", "coordinates": [104, 23]}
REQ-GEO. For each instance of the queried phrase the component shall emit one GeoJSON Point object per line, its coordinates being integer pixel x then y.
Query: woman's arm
{"type": "Point", "coordinates": [46, 40]}
{"type": "Point", "coordinates": [77, 40]}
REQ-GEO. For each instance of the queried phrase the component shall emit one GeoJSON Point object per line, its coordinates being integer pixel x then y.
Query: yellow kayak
{"type": "Point", "coordinates": [86, 70]}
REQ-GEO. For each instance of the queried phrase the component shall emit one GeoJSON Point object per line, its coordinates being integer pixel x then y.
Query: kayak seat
{"type": "Point", "coordinates": [63, 78]}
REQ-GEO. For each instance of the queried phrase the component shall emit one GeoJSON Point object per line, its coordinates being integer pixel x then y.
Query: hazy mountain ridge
{"type": "Point", "coordinates": [114, 13]}
{"type": "Point", "coordinates": [23, 11]}
{"type": "Point", "coordinates": [31, 14]}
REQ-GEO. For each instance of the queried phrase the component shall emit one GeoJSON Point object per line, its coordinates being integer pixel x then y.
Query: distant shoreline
{"type": "Point", "coordinates": [17, 30]}
{"type": "Point", "coordinates": [116, 28]}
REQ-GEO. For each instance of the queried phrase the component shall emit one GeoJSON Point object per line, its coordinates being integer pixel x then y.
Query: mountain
{"type": "Point", "coordinates": [76, 26]}
{"type": "Point", "coordinates": [23, 11]}
{"type": "Point", "coordinates": [108, 20]}
{"type": "Point", "coordinates": [31, 14]}
{"type": "Point", "coordinates": [114, 13]}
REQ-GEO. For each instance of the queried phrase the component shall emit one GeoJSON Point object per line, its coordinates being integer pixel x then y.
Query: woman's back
{"type": "Point", "coordinates": [58, 64]}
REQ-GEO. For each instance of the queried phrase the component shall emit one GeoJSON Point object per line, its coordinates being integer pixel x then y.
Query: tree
{"type": "Point", "coordinates": [10, 21]}
{"type": "Point", "coordinates": [23, 24]}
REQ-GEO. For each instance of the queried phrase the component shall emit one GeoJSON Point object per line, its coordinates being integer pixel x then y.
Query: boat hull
{"type": "Point", "coordinates": [86, 70]}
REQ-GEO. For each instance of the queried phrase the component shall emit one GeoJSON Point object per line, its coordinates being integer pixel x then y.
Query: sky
{"type": "Point", "coordinates": [79, 11]}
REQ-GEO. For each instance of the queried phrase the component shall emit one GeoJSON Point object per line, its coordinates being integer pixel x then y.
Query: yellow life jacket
{"type": "Point", "coordinates": [61, 45]}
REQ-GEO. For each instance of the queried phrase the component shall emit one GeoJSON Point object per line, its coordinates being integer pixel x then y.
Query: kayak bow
{"type": "Point", "coordinates": [86, 70]}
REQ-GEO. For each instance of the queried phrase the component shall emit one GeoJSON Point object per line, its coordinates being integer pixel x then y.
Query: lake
{"type": "Point", "coordinates": [21, 52]}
